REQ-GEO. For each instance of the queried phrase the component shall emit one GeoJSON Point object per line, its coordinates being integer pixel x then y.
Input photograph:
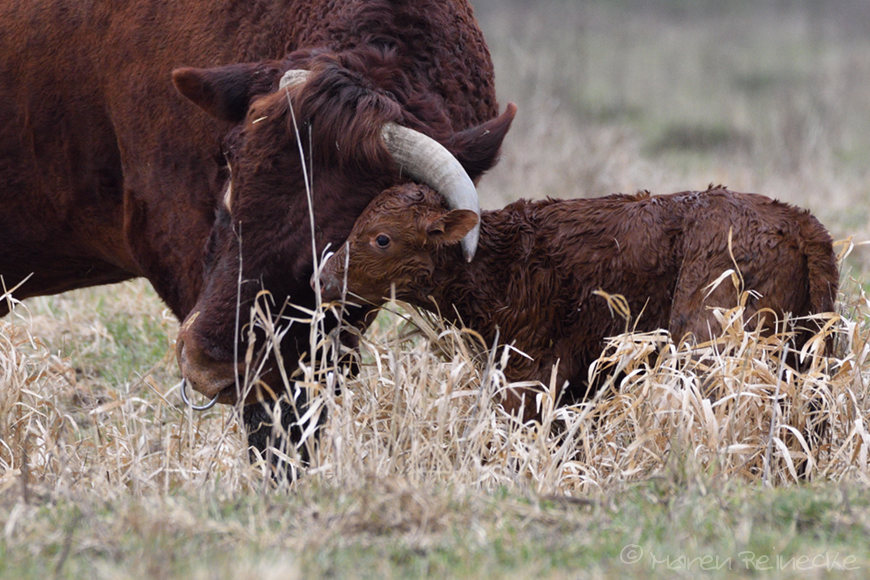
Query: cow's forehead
{"type": "Point", "coordinates": [339, 128]}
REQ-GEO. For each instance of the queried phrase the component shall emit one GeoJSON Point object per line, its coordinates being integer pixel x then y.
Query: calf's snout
{"type": "Point", "coordinates": [331, 280]}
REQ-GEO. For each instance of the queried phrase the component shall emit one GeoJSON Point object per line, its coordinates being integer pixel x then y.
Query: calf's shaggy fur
{"type": "Point", "coordinates": [539, 264]}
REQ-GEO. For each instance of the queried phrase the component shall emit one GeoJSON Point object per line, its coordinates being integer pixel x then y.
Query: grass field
{"type": "Point", "coordinates": [690, 466]}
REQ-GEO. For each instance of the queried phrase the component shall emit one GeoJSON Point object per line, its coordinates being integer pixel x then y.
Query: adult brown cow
{"type": "Point", "coordinates": [107, 172]}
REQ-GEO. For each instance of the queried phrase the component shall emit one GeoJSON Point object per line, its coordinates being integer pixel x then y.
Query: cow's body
{"type": "Point", "coordinates": [540, 266]}
{"type": "Point", "coordinates": [108, 172]}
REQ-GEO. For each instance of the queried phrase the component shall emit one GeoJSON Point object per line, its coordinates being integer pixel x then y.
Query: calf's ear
{"type": "Point", "coordinates": [225, 92]}
{"type": "Point", "coordinates": [452, 226]}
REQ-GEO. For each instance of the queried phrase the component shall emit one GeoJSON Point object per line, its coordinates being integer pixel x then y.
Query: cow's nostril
{"type": "Point", "coordinates": [214, 378]}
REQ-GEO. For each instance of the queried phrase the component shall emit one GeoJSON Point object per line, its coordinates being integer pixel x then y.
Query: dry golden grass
{"type": "Point", "coordinates": [416, 448]}
{"type": "Point", "coordinates": [414, 414]}
{"type": "Point", "coordinates": [611, 98]}
{"type": "Point", "coordinates": [424, 411]}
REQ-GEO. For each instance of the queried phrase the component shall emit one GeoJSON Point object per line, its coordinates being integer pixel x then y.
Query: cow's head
{"type": "Point", "coordinates": [394, 247]}
{"type": "Point", "coordinates": [335, 129]}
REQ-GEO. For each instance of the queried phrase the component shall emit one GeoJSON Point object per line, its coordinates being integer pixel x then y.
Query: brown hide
{"type": "Point", "coordinates": [540, 263]}
{"type": "Point", "coordinates": [109, 171]}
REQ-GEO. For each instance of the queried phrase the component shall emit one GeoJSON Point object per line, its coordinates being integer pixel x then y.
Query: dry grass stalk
{"type": "Point", "coordinates": [424, 411]}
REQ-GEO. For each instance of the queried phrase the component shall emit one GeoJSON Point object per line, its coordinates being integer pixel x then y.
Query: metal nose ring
{"type": "Point", "coordinates": [183, 388]}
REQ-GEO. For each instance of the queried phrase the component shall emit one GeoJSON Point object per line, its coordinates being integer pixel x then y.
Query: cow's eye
{"type": "Point", "coordinates": [383, 240]}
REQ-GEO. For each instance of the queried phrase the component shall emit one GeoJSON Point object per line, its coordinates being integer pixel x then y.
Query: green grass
{"type": "Point", "coordinates": [654, 527]}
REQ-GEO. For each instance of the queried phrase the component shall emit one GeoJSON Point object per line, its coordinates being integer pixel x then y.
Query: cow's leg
{"type": "Point", "coordinates": [692, 317]}
{"type": "Point", "coordinates": [695, 296]}
{"type": "Point", "coordinates": [274, 431]}
{"type": "Point", "coordinates": [272, 426]}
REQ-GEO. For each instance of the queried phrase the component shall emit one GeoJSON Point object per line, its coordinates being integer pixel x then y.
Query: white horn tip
{"type": "Point", "coordinates": [469, 244]}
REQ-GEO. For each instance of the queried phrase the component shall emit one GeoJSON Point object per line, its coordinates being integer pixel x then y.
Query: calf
{"type": "Point", "coordinates": [539, 264]}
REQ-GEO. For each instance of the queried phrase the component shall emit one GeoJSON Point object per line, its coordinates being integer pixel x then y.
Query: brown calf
{"type": "Point", "coordinates": [539, 264]}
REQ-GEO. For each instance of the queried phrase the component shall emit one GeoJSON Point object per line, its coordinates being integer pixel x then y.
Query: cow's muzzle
{"type": "Point", "coordinates": [216, 380]}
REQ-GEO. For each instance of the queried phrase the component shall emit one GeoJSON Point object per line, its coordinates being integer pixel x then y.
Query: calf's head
{"type": "Point", "coordinates": [395, 246]}
{"type": "Point", "coordinates": [336, 134]}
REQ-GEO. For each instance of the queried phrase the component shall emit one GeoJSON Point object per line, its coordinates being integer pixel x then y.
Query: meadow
{"type": "Point", "coordinates": [704, 460]}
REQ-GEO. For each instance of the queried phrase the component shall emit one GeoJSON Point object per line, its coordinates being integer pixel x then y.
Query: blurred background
{"type": "Point", "coordinates": [766, 96]}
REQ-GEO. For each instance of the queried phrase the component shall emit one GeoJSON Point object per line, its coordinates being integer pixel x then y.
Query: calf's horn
{"type": "Point", "coordinates": [426, 160]}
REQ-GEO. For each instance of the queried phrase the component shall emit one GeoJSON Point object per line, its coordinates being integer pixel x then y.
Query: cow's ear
{"type": "Point", "coordinates": [452, 226]}
{"type": "Point", "coordinates": [225, 92]}
{"type": "Point", "coordinates": [477, 148]}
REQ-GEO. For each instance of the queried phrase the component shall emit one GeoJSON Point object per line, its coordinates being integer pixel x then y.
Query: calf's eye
{"type": "Point", "coordinates": [383, 240]}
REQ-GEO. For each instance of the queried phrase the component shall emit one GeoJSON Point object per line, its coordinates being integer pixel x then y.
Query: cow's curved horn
{"type": "Point", "coordinates": [293, 77]}
{"type": "Point", "coordinates": [426, 160]}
